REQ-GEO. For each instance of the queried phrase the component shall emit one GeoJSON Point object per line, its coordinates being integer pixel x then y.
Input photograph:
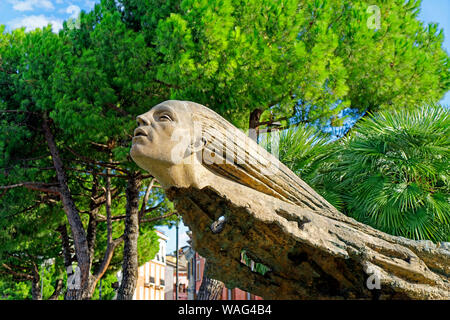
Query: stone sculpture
{"type": "Point", "coordinates": [236, 197]}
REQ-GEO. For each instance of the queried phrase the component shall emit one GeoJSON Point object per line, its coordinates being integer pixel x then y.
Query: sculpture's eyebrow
{"type": "Point", "coordinates": [165, 108]}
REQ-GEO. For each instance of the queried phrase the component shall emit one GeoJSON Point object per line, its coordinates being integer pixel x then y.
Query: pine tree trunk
{"type": "Point", "coordinates": [210, 289]}
{"type": "Point", "coordinates": [130, 251]}
{"type": "Point", "coordinates": [78, 233]}
{"type": "Point", "coordinates": [92, 224]}
{"type": "Point", "coordinates": [58, 290]}
{"type": "Point", "coordinates": [36, 290]}
{"type": "Point", "coordinates": [36, 285]}
{"type": "Point", "coordinates": [112, 244]}
{"type": "Point", "coordinates": [253, 124]}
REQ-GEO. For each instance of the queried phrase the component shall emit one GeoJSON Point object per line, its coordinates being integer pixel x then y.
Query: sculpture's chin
{"type": "Point", "coordinates": [139, 157]}
{"type": "Point", "coordinates": [145, 161]}
{"type": "Point", "coordinates": [135, 152]}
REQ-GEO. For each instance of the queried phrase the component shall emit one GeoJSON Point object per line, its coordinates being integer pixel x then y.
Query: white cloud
{"type": "Point", "coordinates": [73, 10]}
{"type": "Point", "coordinates": [29, 5]}
{"type": "Point", "coordinates": [33, 22]}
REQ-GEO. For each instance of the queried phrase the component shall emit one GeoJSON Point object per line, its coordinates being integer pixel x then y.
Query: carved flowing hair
{"type": "Point", "coordinates": [230, 153]}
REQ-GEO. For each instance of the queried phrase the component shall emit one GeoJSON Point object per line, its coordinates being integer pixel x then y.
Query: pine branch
{"type": "Point", "coordinates": [15, 273]}
{"type": "Point", "coordinates": [112, 165]}
{"type": "Point", "coordinates": [159, 218]}
{"type": "Point", "coordinates": [58, 288]}
{"type": "Point", "coordinates": [99, 173]}
{"type": "Point", "coordinates": [23, 211]}
{"type": "Point", "coordinates": [38, 186]}
{"type": "Point", "coordinates": [145, 200]}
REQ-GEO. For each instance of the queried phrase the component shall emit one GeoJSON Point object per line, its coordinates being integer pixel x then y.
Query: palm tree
{"type": "Point", "coordinates": [394, 173]}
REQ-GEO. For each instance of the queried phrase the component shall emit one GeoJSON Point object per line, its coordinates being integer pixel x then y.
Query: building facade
{"type": "Point", "coordinates": [151, 276]}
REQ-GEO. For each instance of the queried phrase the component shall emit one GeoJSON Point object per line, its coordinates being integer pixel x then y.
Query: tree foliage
{"type": "Point", "coordinates": [306, 59]}
{"type": "Point", "coordinates": [82, 80]}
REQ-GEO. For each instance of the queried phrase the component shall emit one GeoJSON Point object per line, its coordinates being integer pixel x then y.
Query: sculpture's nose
{"type": "Point", "coordinates": [142, 121]}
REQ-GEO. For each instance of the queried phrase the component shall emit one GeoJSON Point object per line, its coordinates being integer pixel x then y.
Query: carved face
{"type": "Point", "coordinates": [163, 134]}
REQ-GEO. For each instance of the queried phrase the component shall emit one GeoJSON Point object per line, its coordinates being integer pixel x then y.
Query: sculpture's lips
{"type": "Point", "coordinates": [140, 132]}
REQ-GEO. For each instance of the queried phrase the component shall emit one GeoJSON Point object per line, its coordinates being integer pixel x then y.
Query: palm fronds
{"type": "Point", "coordinates": [392, 172]}
{"type": "Point", "coordinates": [397, 163]}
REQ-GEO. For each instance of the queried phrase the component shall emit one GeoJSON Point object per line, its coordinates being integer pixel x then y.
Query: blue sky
{"type": "Point", "coordinates": [438, 11]}
{"type": "Point", "coordinates": [38, 13]}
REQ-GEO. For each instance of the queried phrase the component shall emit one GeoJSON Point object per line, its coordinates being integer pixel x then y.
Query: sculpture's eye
{"type": "Point", "coordinates": [165, 117]}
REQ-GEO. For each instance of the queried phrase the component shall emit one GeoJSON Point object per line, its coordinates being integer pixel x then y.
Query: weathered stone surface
{"type": "Point", "coordinates": [310, 256]}
{"type": "Point", "coordinates": [313, 251]}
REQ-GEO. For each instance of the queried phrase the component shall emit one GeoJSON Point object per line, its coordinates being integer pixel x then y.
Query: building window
{"type": "Point", "coordinates": [230, 296]}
